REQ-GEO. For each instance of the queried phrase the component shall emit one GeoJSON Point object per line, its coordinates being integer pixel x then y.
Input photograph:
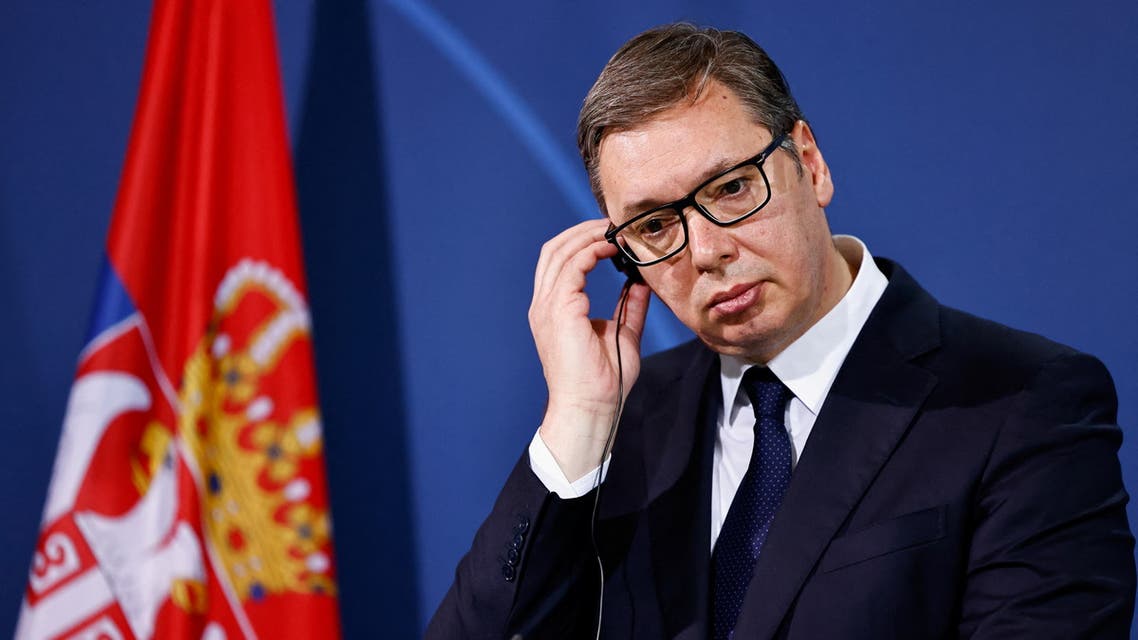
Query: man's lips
{"type": "Point", "coordinates": [735, 299]}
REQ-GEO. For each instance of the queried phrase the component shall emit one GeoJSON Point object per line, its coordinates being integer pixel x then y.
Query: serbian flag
{"type": "Point", "coordinates": [188, 498]}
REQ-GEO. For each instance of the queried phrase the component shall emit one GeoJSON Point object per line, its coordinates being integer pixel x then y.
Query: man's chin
{"type": "Point", "coordinates": [747, 345]}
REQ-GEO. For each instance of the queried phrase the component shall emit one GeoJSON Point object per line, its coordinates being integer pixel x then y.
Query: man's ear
{"type": "Point", "coordinates": [813, 164]}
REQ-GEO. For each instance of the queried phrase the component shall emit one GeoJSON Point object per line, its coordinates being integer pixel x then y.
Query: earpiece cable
{"type": "Point", "coordinates": [605, 452]}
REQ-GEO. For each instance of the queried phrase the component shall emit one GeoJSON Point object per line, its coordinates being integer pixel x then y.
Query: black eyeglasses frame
{"type": "Point", "coordinates": [689, 200]}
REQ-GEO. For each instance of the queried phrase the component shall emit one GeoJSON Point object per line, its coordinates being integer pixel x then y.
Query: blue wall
{"type": "Point", "coordinates": [988, 146]}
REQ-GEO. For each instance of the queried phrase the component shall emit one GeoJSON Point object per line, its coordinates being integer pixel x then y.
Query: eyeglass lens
{"type": "Point", "coordinates": [727, 198]}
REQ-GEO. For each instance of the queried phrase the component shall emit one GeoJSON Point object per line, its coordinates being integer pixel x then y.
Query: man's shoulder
{"type": "Point", "coordinates": [981, 354]}
{"type": "Point", "coordinates": [971, 348]}
{"type": "Point", "coordinates": [966, 331]}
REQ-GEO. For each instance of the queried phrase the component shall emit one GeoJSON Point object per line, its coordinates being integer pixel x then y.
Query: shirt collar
{"type": "Point", "coordinates": [809, 365]}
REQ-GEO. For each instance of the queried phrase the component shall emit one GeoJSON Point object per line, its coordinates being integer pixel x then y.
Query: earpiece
{"type": "Point", "coordinates": [627, 267]}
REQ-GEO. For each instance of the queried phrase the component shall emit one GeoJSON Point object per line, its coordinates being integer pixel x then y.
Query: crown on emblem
{"type": "Point", "coordinates": [255, 434]}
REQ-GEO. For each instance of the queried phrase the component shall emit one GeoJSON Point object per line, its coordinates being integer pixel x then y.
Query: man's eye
{"type": "Point", "coordinates": [732, 187]}
{"type": "Point", "coordinates": [653, 226]}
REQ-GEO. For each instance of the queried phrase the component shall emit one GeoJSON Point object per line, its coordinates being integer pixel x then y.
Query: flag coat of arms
{"type": "Point", "coordinates": [188, 497]}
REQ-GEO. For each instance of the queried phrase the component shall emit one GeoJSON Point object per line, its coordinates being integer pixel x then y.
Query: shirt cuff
{"type": "Point", "coordinates": [545, 467]}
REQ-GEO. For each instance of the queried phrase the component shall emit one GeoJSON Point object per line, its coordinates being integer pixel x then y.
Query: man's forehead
{"type": "Point", "coordinates": [667, 156]}
{"type": "Point", "coordinates": [673, 176]}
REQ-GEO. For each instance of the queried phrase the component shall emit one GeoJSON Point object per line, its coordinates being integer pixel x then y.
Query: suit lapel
{"type": "Point", "coordinates": [677, 460]}
{"type": "Point", "coordinates": [875, 397]}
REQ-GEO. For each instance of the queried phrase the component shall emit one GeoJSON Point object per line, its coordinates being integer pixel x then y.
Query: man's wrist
{"type": "Point", "coordinates": [577, 441]}
{"type": "Point", "coordinates": [549, 471]}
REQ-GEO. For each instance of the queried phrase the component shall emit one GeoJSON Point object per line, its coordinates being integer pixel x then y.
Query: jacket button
{"type": "Point", "coordinates": [508, 573]}
{"type": "Point", "coordinates": [522, 526]}
{"type": "Point", "coordinates": [512, 557]}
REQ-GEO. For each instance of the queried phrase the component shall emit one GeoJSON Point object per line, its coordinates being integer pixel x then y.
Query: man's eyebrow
{"type": "Point", "coordinates": [716, 168]}
{"type": "Point", "coordinates": [640, 206]}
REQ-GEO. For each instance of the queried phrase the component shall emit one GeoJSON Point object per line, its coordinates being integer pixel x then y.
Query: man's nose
{"type": "Point", "coordinates": [711, 245]}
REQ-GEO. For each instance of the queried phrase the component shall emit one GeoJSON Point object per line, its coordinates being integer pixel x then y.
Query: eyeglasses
{"type": "Point", "coordinates": [727, 198]}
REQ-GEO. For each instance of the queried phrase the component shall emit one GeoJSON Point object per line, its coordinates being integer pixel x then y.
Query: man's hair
{"type": "Point", "coordinates": [659, 68]}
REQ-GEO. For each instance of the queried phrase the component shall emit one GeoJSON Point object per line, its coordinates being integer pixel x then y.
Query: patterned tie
{"type": "Point", "coordinates": [760, 492]}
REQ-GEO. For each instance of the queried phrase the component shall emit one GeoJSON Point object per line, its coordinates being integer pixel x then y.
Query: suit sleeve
{"type": "Point", "coordinates": [1052, 553]}
{"type": "Point", "coordinates": [530, 570]}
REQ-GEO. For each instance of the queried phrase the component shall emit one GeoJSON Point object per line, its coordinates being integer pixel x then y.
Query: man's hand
{"type": "Point", "coordinates": [578, 354]}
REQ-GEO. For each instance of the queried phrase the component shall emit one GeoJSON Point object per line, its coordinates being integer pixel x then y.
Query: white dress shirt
{"type": "Point", "coordinates": [807, 367]}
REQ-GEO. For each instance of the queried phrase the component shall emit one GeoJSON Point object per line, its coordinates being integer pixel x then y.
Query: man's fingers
{"type": "Point", "coordinates": [558, 252]}
{"type": "Point", "coordinates": [568, 242]}
{"type": "Point", "coordinates": [635, 309]}
{"type": "Point", "coordinates": [566, 292]}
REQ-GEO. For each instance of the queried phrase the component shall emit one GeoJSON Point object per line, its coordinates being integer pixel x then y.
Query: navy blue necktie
{"type": "Point", "coordinates": [756, 501]}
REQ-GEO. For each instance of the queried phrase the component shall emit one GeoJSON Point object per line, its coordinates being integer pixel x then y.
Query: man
{"type": "Point", "coordinates": [836, 456]}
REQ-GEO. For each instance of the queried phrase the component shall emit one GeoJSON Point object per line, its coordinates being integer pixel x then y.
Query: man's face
{"type": "Point", "coordinates": [752, 288]}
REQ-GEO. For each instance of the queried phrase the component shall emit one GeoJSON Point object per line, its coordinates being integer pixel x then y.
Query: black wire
{"type": "Point", "coordinates": [605, 452]}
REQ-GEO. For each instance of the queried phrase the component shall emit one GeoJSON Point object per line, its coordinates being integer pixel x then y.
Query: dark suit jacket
{"type": "Point", "coordinates": [961, 480]}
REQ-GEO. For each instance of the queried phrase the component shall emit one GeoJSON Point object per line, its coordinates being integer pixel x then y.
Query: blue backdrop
{"type": "Point", "coordinates": [988, 146]}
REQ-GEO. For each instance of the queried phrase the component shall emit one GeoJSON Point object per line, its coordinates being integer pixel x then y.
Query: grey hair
{"type": "Point", "coordinates": [659, 68]}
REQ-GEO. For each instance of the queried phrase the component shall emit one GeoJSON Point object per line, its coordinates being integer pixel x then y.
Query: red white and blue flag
{"type": "Point", "coordinates": [188, 498]}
